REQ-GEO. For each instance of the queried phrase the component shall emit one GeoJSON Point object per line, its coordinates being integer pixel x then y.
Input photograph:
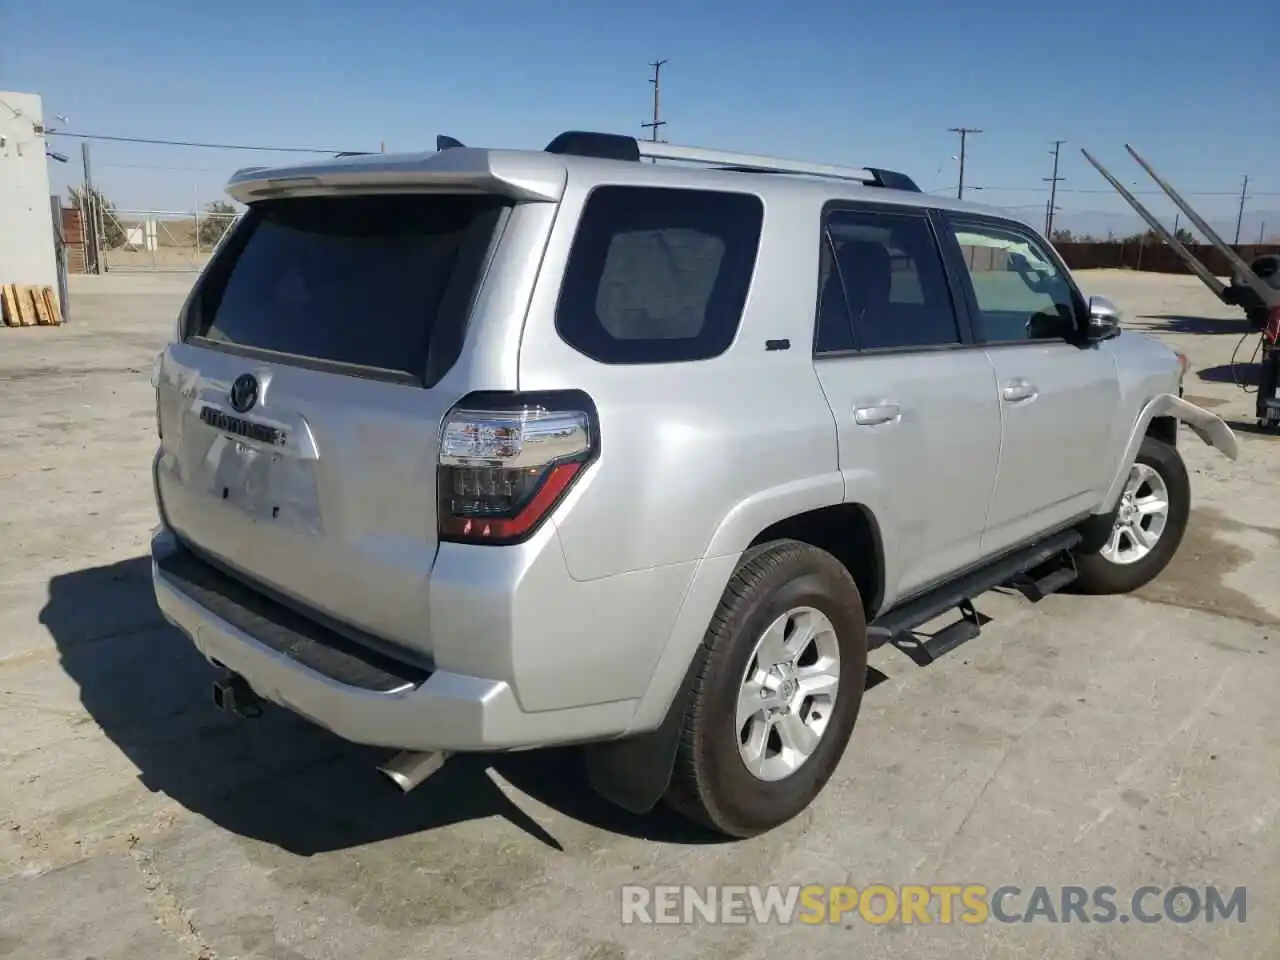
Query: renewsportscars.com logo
{"type": "Point", "coordinates": [966, 904]}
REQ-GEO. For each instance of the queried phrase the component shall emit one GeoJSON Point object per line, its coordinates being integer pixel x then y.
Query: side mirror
{"type": "Point", "coordinates": [1104, 319]}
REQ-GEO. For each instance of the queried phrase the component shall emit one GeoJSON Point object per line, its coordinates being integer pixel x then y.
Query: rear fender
{"type": "Point", "coordinates": [1207, 426]}
{"type": "Point", "coordinates": [635, 771]}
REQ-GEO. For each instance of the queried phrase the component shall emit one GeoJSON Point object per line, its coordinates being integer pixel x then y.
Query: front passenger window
{"type": "Point", "coordinates": [1021, 294]}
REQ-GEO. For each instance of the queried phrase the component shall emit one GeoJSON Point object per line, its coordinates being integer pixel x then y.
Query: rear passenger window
{"type": "Point", "coordinates": [659, 275]}
{"type": "Point", "coordinates": [882, 284]}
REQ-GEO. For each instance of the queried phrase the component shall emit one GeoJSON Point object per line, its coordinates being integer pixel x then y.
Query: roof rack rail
{"type": "Point", "coordinates": [615, 146]}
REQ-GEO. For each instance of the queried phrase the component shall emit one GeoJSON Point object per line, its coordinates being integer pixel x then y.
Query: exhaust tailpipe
{"type": "Point", "coordinates": [409, 768]}
{"type": "Point", "coordinates": [232, 694]}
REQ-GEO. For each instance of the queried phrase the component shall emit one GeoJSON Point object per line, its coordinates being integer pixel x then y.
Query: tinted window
{"type": "Point", "coordinates": [1021, 294]}
{"type": "Point", "coordinates": [882, 284]}
{"type": "Point", "coordinates": [659, 275]}
{"type": "Point", "coordinates": [359, 280]}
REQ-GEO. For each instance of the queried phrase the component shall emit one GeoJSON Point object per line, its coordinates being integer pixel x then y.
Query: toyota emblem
{"type": "Point", "coordinates": [244, 392]}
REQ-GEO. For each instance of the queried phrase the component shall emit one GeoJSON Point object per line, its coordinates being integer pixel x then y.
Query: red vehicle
{"type": "Point", "coordinates": [1254, 287]}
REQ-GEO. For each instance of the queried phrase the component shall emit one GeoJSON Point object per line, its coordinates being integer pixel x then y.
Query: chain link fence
{"type": "Point", "coordinates": [158, 240]}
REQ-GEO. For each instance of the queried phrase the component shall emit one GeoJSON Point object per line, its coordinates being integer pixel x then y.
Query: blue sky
{"type": "Point", "coordinates": [853, 82]}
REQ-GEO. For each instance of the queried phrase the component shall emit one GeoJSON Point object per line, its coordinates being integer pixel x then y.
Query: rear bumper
{"type": "Point", "coordinates": [413, 708]}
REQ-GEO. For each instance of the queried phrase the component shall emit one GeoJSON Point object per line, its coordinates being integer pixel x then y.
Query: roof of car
{"type": "Point", "coordinates": [542, 175]}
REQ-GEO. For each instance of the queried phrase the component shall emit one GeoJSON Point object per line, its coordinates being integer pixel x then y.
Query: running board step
{"type": "Point", "coordinates": [1049, 578]}
{"type": "Point", "coordinates": [925, 651]}
{"type": "Point", "coordinates": [1036, 571]}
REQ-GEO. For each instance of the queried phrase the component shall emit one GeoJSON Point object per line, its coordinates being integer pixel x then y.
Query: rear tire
{"type": "Point", "coordinates": [1147, 526]}
{"type": "Point", "coordinates": [778, 683]}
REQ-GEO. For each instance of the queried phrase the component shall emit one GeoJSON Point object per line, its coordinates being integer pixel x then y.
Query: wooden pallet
{"type": "Point", "coordinates": [28, 306]}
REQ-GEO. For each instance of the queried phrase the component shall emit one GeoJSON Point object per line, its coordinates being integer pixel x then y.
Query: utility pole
{"type": "Point", "coordinates": [1053, 191]}
{"type": "Point", "coordinates": [1240, 214]}
{"type": "Point", "coordinates": [653, 125]}
{"type": "Point", "coordinates": [964, 138]}
{"type": "Point", "coordinates": [88, 175]}
{"type": "Point", "coordinates": [89, 215]}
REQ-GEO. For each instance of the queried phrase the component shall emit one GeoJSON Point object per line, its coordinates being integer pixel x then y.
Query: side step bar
{"type": "Point", "coordinates": [1034, 571]}
{"type": "Point", "coordinates": [1049, 577]}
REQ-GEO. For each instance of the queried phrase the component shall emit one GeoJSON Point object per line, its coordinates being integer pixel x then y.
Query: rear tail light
{"type": "Point", "coordinates": [506, 461]}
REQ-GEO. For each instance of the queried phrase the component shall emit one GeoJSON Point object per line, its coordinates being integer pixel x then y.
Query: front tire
{"type": "Point", "coordinates": [1147, 527]}
{"type": "Point", "coordinates": [778, 684]}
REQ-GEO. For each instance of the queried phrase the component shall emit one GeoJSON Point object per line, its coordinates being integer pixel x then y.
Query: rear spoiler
{"type": "Point", "coordinates": [520, 175]}
{"type": "Point", "coordinates": [1269, 296]}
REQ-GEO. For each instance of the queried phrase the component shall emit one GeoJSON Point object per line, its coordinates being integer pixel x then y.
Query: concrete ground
{"type": "Point", "coordinates": [1117, 741]}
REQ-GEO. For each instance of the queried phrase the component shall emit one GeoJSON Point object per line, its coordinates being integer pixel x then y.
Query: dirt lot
{"type": "Point", "coordinates": [1120, 741]}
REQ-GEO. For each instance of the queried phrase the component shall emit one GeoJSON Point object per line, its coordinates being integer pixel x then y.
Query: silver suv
{"type": "Point", "coordinates": [484, 450]}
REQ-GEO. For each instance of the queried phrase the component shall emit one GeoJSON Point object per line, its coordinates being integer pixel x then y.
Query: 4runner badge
{"type": "Point", "coordinates": [244, 392]}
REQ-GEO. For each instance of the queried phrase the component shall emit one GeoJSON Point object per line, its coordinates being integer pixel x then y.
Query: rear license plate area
{"type": "Point", "coordinates": [264, 482]}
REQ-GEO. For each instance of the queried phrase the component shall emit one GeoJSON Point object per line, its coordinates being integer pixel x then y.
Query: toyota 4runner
{"type": "Point", "coordinates": [485, 450]}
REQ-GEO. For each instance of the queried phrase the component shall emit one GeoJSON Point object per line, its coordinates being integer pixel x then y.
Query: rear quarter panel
{"type": "Point", "coordinates": [695, 457]}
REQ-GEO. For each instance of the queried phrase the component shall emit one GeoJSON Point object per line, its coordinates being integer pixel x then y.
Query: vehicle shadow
{"type": "Point", "coordinates": [1253, 427]}
{"type": "Point", "coordinates": [1245, 373]}
{"type": "Point", "coordinates": [1181, 323]}
{"type": "Point", "coordinates": [279, 779]}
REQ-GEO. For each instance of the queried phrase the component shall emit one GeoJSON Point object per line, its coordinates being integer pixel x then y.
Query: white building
{"type": "Point", "coordinates": [26, 220]}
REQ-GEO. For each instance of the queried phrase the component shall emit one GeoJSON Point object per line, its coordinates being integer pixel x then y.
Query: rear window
{"type": "Point", "coordinates": [369, 281]}
{"type": "Point", "coordinates": [659, 275]}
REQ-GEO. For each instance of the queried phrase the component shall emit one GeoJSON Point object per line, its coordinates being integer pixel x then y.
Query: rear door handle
{"type": "Point", "coordinates": [1016, 390]}
{"type": "Point", "coordinates": [876, 414]}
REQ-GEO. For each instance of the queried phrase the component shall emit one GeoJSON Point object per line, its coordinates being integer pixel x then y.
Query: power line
{"type": "Point", "coordinates": [964, 138]}
{"type": "Point", "coordinates": [160, 166]}
{"type": "Point", "coordinates": [187, 143]}
{"type": "Point", "coordinates": [1154, 193]}
{"type": "Point", "coordinates": [653, 125]}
